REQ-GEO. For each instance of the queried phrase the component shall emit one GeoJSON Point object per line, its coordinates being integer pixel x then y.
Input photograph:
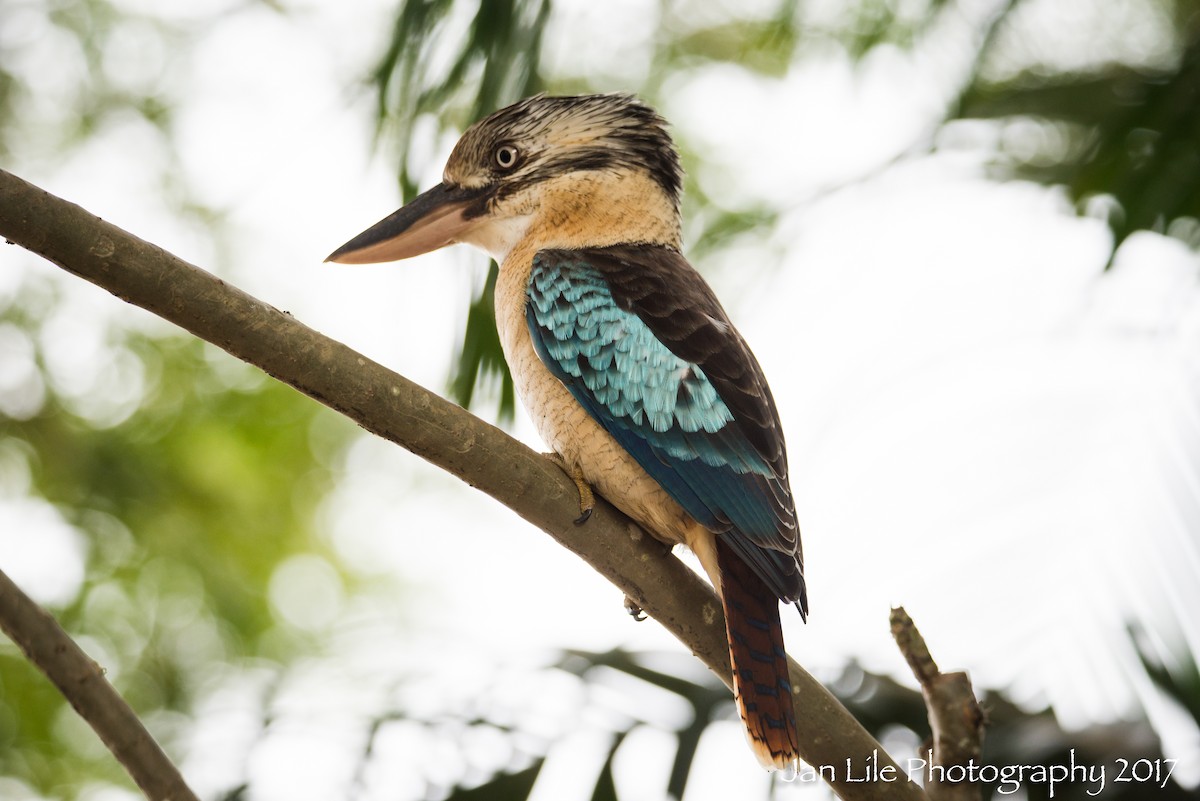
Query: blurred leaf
{"type": "Point", "coordinates": [708, 699]}
{"type": "Point", "coordinates": [496, 63]}
{"type": "Point", "coordinates": [498, 57]}
{"type": "Point", "coordinates": [502, 787]}
{"type": "Point", "coordinates": [877, 22]}
{"type": "Point", "coordinates": [98, 28]}
{"type": "Point", "coordinates": [1180, 681]}
{"type": "Point", "coordinates": [766, 47]}
{"type": "Point", "coordinates": [1120, 132]}
{"type": "Point", "coordinates": [481, 358]}
{"type": "Point", "coordinates": [186, 507]}
{"type": "Point", "coordinates": [606, 785]}
{"type": "Point", "coordinates": [719, 227]}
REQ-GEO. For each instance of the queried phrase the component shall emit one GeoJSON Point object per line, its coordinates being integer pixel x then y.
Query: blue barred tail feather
{"type": "Point", "coordinates": [760, 672]}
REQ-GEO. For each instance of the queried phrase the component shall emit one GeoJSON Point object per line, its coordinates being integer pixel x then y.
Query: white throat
{"type": "Point", "coordinates": [498, 237]}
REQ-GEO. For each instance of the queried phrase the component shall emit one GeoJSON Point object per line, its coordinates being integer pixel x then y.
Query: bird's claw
{"type": "Point", "coordinates": [634, 610]}
{"type": "Point", "coordinates": [587, 499]}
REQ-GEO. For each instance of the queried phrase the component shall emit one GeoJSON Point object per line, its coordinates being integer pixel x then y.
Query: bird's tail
{"type": "Point", "coordinates": [760, 672]}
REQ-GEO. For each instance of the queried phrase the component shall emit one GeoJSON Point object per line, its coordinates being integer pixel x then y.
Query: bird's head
{"type": "Point", "coordinates": [580, 171]}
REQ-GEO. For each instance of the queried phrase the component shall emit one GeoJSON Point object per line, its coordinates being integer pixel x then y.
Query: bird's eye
{"type": "Point", "coordinates": [506, 157]}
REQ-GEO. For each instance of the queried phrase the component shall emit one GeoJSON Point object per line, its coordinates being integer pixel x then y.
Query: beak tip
{"type": "Point", "coordinates": [346, 254]}
{"type": "Point", "coordinates": [432, 220]}
{"type": "Point", "coordinates": [353, 255]}
{"type": "Point", "coordinates": [340, 253]}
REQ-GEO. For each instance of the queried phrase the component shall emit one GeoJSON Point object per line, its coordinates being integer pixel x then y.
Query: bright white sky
{"type": "Point", "coordinates": [982, 427]}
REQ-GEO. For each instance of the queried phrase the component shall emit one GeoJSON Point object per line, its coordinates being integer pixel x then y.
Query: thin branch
{"type": "Point", "coordinates": [954, 715]}
{"type": "Point", "coordinates": [393, 407]}
{"type": "Point", "coordinates": [82, 682]}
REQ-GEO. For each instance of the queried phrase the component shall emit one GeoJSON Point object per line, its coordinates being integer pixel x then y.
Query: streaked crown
{"type": "Point", "coordinates": [543, 137]}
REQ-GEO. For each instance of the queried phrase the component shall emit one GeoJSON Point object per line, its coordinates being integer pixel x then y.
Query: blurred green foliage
{"type": "Point", "coordinates": [498, 62]}
{"type": "Point", "coordinates": [1129, 133]}
{"type": "Point", "coordinates": [185, 507]}
{"type": "Point", "coordinates": [96, 89]}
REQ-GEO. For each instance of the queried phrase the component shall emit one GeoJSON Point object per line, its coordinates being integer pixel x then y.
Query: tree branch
{"type": "Point", "coordinates": [393, 407]}
{"type": "Point", "coordinates": [82, 682]}
{"type": "Point", "coordinates": [954, 716]}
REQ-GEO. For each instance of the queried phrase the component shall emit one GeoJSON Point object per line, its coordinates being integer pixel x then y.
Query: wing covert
{"type": "Point", "coordinates": [670, 378]}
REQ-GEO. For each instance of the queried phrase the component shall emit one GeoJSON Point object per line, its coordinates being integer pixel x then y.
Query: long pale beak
{"type": "Point", "coordinates": [432, 220]}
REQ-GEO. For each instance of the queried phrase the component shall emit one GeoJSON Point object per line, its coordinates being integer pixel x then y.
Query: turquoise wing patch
{"type": "Point", "coordinates": [660, 407]}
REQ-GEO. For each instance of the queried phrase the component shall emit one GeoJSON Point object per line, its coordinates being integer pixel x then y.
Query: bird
{"type": "Point", "coordinates": [624, 358]}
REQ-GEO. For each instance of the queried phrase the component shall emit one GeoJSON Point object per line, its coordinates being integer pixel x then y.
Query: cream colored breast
{"type": "Point", "coordinates": [567, 427]}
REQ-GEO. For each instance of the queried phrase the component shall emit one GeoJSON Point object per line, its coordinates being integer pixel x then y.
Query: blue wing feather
{"type": "Point", "coordinates": [664, 410]}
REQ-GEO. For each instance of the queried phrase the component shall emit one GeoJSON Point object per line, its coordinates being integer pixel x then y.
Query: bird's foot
{"type": "Point", "coordinates": [634, 610]}
{"type": "Point", "coordinates": [587, 499]}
